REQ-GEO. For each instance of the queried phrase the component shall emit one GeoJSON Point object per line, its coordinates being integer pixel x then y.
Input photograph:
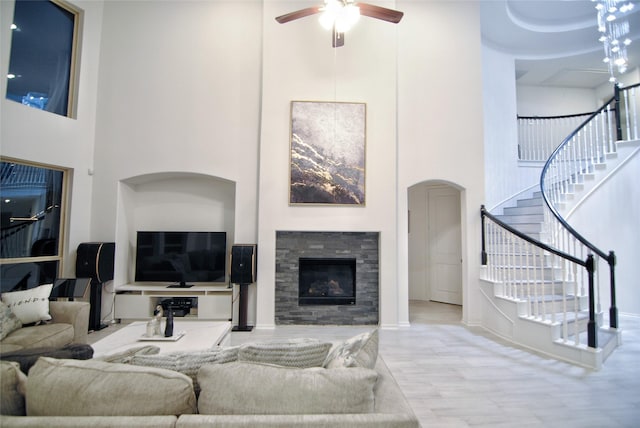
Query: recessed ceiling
{"type": "Point", "coordinates": [555, 43]}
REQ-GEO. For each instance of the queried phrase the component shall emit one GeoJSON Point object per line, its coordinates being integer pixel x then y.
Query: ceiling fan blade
{"type": "Point", "coordinates": [378, 12]}
{"type": "Point", "coordinates": [298, 14]}
{"type": "Point", "coordinates": [337, 39]}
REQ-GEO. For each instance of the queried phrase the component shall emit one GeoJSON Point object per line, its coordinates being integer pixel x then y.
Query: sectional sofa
{"type": "Point", "coordinates": [294, 383]}
{"type": "Point", "coordinates": [69, 324]}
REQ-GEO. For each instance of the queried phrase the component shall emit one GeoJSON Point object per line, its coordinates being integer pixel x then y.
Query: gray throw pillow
{"type": "Point", "coordinates": [9, 322]}
{"type": "Point", "coordinates": [188, 363]}
{"type": "Point", "coordinates": [358, 351]}
{"type": "Point", "coordinates": [27, 357]}
{"type": "Point", "coordinates": [126, 356]}
{"type": "Point", "coordinates": [300, 353]}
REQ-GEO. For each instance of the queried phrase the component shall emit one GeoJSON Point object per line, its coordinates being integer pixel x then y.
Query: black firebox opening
{"type": "Point", "coordinates": [327, 281]}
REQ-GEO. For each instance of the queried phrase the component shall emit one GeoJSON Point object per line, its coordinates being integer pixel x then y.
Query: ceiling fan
{"type": "Point", "coordinates": [340, 15]}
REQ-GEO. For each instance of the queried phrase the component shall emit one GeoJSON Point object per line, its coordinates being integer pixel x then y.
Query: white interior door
{"type": "Point", "coordinates": [444, 245]}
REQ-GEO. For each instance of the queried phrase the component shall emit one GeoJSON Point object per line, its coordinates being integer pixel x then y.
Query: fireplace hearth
{"type": "Point", "coordinates": [326, 281]}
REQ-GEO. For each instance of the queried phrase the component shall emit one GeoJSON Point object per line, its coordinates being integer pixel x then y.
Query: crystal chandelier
{"type": "Point", "coordinates": [614, 31]}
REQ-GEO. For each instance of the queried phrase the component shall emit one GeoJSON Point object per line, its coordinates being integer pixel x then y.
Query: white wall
{"type": "Point", "coordinates": [204, 88]}
{"type": "Point", "coordinates": [609, 219]}
{"type": "Point", "coordinates": [179, 96]}
{"type": "Point", "coordinates": [300, 64]}
{"type": "Point", "coordinates": [505, 176]}
{"type": "Point", "coordinates": [417, 243]}
{"type": "Point", "coordinates": [34, 135]}
{"type": "Point", "coordinates": [438, 89]}
{"type": "Point", "coordinates": [556, 101]}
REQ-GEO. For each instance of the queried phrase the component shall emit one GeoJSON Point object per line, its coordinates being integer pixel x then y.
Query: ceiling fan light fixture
{"type": "Point", "coordinates": [339, 15]}
{"type": "Point", "coordinates": [330, 12]}
{"type": "Point", "coordinates": [347, 18]}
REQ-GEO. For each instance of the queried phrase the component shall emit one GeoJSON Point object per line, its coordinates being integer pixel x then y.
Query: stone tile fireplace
{"type": "Point", "coordinates": [328, 296]}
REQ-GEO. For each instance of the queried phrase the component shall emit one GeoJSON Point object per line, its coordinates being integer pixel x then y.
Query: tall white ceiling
{"type": "Point", "coordinates": [554, 42]}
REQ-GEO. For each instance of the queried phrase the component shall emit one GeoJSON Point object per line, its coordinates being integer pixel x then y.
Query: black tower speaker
{"type": "Point", "coordinates": [243, 264]}
{"type": "Point", "coordinates": [243, 272]}
{"type": "Point", "coordinates": [95, 260]}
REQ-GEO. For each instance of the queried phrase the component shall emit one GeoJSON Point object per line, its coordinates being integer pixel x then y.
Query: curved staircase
{"type": "Point", "coordinates": [540, 275]}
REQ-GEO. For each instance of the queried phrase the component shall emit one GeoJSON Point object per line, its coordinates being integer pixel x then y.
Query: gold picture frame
{"type": "Point", "coordinates": [327, 163]}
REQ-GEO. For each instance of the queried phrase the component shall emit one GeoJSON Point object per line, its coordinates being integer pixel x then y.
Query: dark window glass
{"type": "Point", "coordinates": [21, 276]}
{"type": "Point", "coordinates": [31, 203]}
{"type": "Point", "coordinates": [41, 61]}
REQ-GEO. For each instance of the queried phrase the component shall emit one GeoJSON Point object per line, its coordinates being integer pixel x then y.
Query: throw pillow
{"type": "Point", "coordinates": [125, 357]}
{"type": "Point", "coordinates": [300, 353]}
{"type": "Point", "coordinates": [30, 305]}
{"type": "Point", "coordinates": [243, 388]}
{"type": "Point", "coordinates": [8, 321]}
{"type": "Point", "coordinates": [96, 388]}
{"type": "Point", "coordinates": [358, 351]}
{"type": "Point", "coordinates": [12, 389]}
{"type": "Point", "coordinates": [27, 357]}
{"type": "Point", "coordinates": [188, 363]}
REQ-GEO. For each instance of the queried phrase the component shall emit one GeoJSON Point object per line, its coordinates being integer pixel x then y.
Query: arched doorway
{"type": "Point", "coordinates": [435, 243]}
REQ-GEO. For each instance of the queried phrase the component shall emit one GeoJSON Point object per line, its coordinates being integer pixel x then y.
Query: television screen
{"type": "Point", "coordinates": [181, 258]}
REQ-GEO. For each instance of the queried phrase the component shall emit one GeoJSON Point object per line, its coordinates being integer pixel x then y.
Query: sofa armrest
{"type": "Point", "coordinates": [74, 313]}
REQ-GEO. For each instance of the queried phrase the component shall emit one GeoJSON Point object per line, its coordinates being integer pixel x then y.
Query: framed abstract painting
{"type": "Point", "coordinates": [328, 153]}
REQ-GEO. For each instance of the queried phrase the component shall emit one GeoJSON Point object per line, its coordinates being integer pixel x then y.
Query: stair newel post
{"type": "Point", "coordinates": [592, 336]}
{"type": "Point", "coordinates": [613, 310]}
{"type": "Point", "coordinates": [618, 111]}
{"type": "Point", "coordinates": [484, 249]}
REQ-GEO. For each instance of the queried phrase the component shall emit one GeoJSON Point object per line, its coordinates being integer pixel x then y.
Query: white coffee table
{"type": "Point", "coordinates": [198, 335]}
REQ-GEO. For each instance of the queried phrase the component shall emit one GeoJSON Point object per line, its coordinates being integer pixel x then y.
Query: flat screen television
{"type": "Point", "coordinates": [181, 258]}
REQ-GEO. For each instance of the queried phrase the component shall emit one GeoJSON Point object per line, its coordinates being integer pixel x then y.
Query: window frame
{"type": "Point", "coordinates": [62, 227]}
{"type": "Point", "coordinates": [74, 60]}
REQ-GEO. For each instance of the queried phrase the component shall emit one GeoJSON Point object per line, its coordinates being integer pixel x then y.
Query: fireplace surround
{"type": "Point", "coordinates": [361, 247]}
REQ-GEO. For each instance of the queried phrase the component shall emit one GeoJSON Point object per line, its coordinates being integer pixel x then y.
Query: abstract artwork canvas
{"type": "Point", "coordinates": [327, 153]}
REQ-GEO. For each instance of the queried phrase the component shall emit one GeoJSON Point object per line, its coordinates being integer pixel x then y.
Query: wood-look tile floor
{"type": "Point", "coordinates": [456, 376]}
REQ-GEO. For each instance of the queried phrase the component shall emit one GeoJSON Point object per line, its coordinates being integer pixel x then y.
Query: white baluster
{"type": "Point", "coordinates": [576, 307]}
{"type": "Point", "coordinates": [565, 321]}
{"type": "Point", "coordinates": [634, 115]}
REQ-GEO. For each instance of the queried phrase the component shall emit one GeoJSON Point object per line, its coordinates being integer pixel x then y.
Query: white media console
{"type": "Point", "coordinates": [137, 302]}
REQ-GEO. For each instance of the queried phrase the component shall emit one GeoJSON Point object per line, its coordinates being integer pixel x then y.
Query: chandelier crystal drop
{"type": "Point", "coordinates": [614, 31]}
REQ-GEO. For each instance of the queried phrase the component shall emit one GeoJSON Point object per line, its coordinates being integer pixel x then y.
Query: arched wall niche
{"type": "Point", "coordinates": [170, 201]}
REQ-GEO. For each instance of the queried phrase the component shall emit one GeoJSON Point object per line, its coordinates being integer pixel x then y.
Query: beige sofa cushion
{"type": "Point", "coordinates": [96, 388]}
{"type": "Point", "coordinates": [244, 388]}
{"type": "Point", "coordinates": [39, 336]}
{"type": "Point", "coordinates": [12, 386]}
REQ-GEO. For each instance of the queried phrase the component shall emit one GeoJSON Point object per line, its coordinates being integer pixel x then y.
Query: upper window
{"type": "Point", "coordinates": [43, 46]}
{"type": "Point", "coordinates": [32, 202]}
